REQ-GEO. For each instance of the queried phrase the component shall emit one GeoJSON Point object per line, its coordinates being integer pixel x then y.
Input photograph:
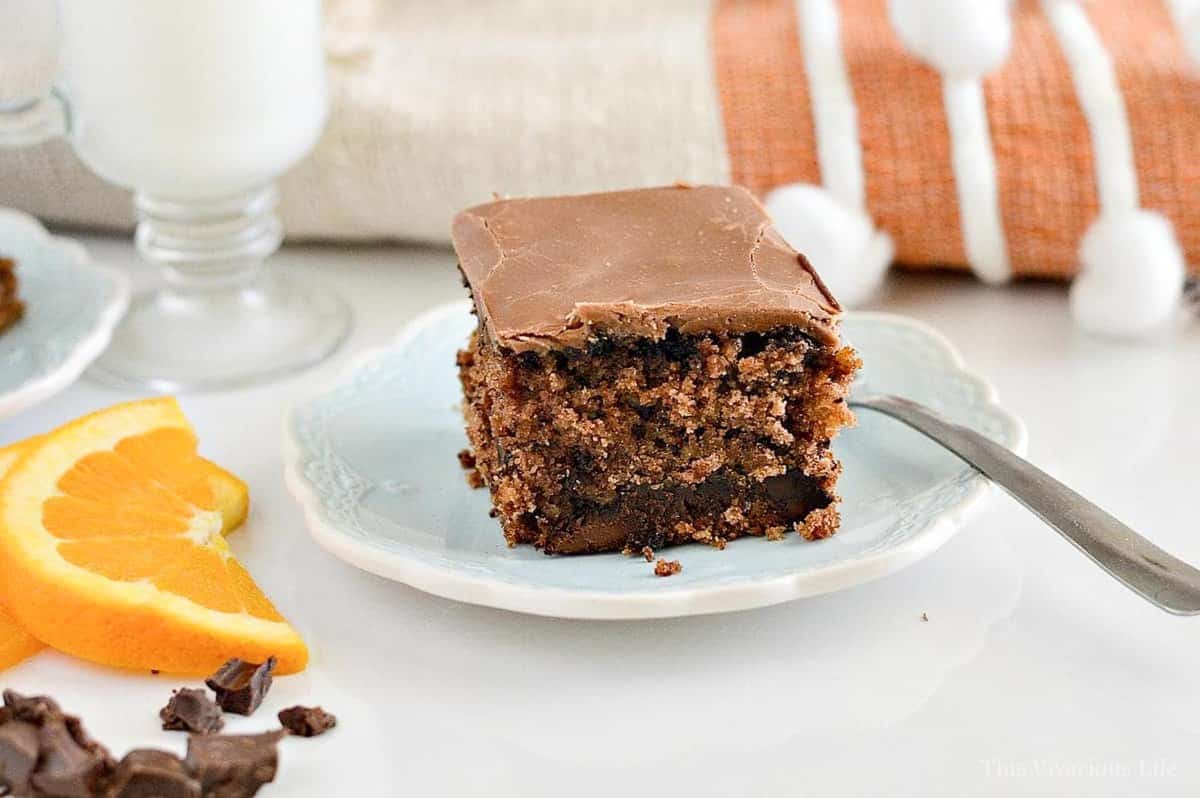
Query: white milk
{"type": "Point", "coordinates": [193, 99]}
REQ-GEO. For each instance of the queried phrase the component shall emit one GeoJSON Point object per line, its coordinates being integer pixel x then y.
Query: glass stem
{"type": "Point", "coordinates": [209, 245]}
{"type": "Point", "coordinates": [25, 123]}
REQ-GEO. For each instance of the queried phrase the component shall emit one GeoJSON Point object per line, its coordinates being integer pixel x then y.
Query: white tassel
{"type": "Point", "coordinates": [841, 242]}
{"type": "Point", "coordinates": [964, 40]}
{"type": "Point", "coordinates": [959, 38]}
{"type": "Point", "coordinates": [1132, 275]}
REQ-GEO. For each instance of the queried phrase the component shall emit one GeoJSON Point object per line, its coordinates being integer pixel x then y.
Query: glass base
{"type": "Point", "coordinates": [172, 341]}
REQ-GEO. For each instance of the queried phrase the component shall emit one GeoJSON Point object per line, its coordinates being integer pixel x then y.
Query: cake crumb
{"type": "Point", "coordinates": [466, 459]}
{"type": "Point", "coordinates": [667, 568]}
{"type": "Point", "coordinates": [648, 553]}
{"type": "Point", "coordinates": [819, 524]}
{"type": "Point", "coordinates": [925, 617]}
{"type": "Point", "coordinates": [776, 532]}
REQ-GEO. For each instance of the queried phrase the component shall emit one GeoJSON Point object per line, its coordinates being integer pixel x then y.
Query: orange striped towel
{"type": "Point", "coordinates": [1050, 152]}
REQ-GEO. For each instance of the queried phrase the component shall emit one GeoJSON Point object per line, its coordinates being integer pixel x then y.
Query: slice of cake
{"type": "Point", "coordinates": [650, 367]}
{"type": "Point", "coordinates": [11, 308]}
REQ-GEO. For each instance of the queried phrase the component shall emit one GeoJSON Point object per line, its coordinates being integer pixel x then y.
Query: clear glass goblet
{"type": "Point", "coordinates": [197, 107]}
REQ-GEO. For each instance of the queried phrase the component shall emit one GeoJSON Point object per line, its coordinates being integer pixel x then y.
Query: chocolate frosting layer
{"type": "Point", "coordinates": [550, 272]}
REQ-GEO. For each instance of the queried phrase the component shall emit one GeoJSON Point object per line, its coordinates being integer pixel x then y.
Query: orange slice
{"type": "Point", "coordinates": [111, 548]}
{"type": "Point", "coordinates": [230, 494]}
{"type": "Point", "coordinates": [16, 645]}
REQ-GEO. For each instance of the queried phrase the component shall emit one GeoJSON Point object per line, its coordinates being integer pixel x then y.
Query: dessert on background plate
{"type": "Point", "coordinates": [650, 367]}
{"type": "Point", "coordinates": [11, 307]}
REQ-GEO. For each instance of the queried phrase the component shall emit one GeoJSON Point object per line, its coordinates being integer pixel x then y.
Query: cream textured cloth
{"type": "Point", "coordinates": [892, 133]}
{"type": "Point", "coordinates": [438, 104]}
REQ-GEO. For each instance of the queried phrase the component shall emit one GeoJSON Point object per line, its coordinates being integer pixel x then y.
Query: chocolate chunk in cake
{"type": "Point", "coordinates": [233, 766]}
{"type": "Point", "coordinates": [146, 773]}
{"type": "Point", "coordinates": [306, 721]}
{"type": "Point", "coordinates": [191, 710]}
{"type": "Point", "coordinates": [240, 686]}
{"type": "Point", "coordinates": [11, 307]}
{"type": "Point", "coordinates": [650, 367]}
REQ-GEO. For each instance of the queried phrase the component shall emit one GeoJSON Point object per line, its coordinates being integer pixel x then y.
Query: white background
{"type": "Point", "coordinates": [1035, 673]}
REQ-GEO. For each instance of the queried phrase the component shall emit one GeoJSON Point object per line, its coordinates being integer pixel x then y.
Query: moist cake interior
{"type": "Point", "coordinates": [633, 442]}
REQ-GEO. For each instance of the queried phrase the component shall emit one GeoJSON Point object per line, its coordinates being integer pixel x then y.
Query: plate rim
{"type": "Point", "coordinates": [584, 604]}
{"type": "Point", "coordinates": [88, 348]}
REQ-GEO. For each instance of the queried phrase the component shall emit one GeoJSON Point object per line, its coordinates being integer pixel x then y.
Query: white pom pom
{"type": "Point", "coordinates": [841, 243]}
{"type": "Point", "coordinates": [1131, 277]}
{"type": "Point", "coordinates": [966, 38]}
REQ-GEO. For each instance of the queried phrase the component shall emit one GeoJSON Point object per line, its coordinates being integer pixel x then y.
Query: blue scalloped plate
{"type": "Point", "coordinates": [71, 308]}
{"type": "Point", "coordinates": [372, 460]}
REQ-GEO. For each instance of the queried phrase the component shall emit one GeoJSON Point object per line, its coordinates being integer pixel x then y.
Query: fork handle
{"type": "Point", "coordinates": [1144, 568]}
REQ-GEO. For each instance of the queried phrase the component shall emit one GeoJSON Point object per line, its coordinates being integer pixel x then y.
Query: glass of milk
{"type": "Point", "coordinates": [197, 107]}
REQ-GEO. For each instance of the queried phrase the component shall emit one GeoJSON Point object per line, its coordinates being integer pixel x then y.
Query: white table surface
{"type": "Point", "coordinates": [1035, 673]}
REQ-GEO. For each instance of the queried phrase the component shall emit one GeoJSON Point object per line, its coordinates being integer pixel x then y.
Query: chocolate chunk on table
{"type": "Point", "coordinates": [19, 745]}
{"type": "Point", "coordinates": [46, 752]}
{"type": "Point", "coordinates": [306, 721]}
{"type": "Point", "coordinates": [192, 710]}
{"type": "Point", "coordinates": [71, 765]}
{"type": "Point", "coordinates": [233, 766]}
{"type": "Point", "coordinates": [240, 686]}
{"type": "Point", "coordinates": [33, 709]}
{"type": "Point", "coordinates": [146, 773]}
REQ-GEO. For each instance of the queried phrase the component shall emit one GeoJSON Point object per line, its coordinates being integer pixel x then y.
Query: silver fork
{"type": "Point", "coordinates": [1144, 568]}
